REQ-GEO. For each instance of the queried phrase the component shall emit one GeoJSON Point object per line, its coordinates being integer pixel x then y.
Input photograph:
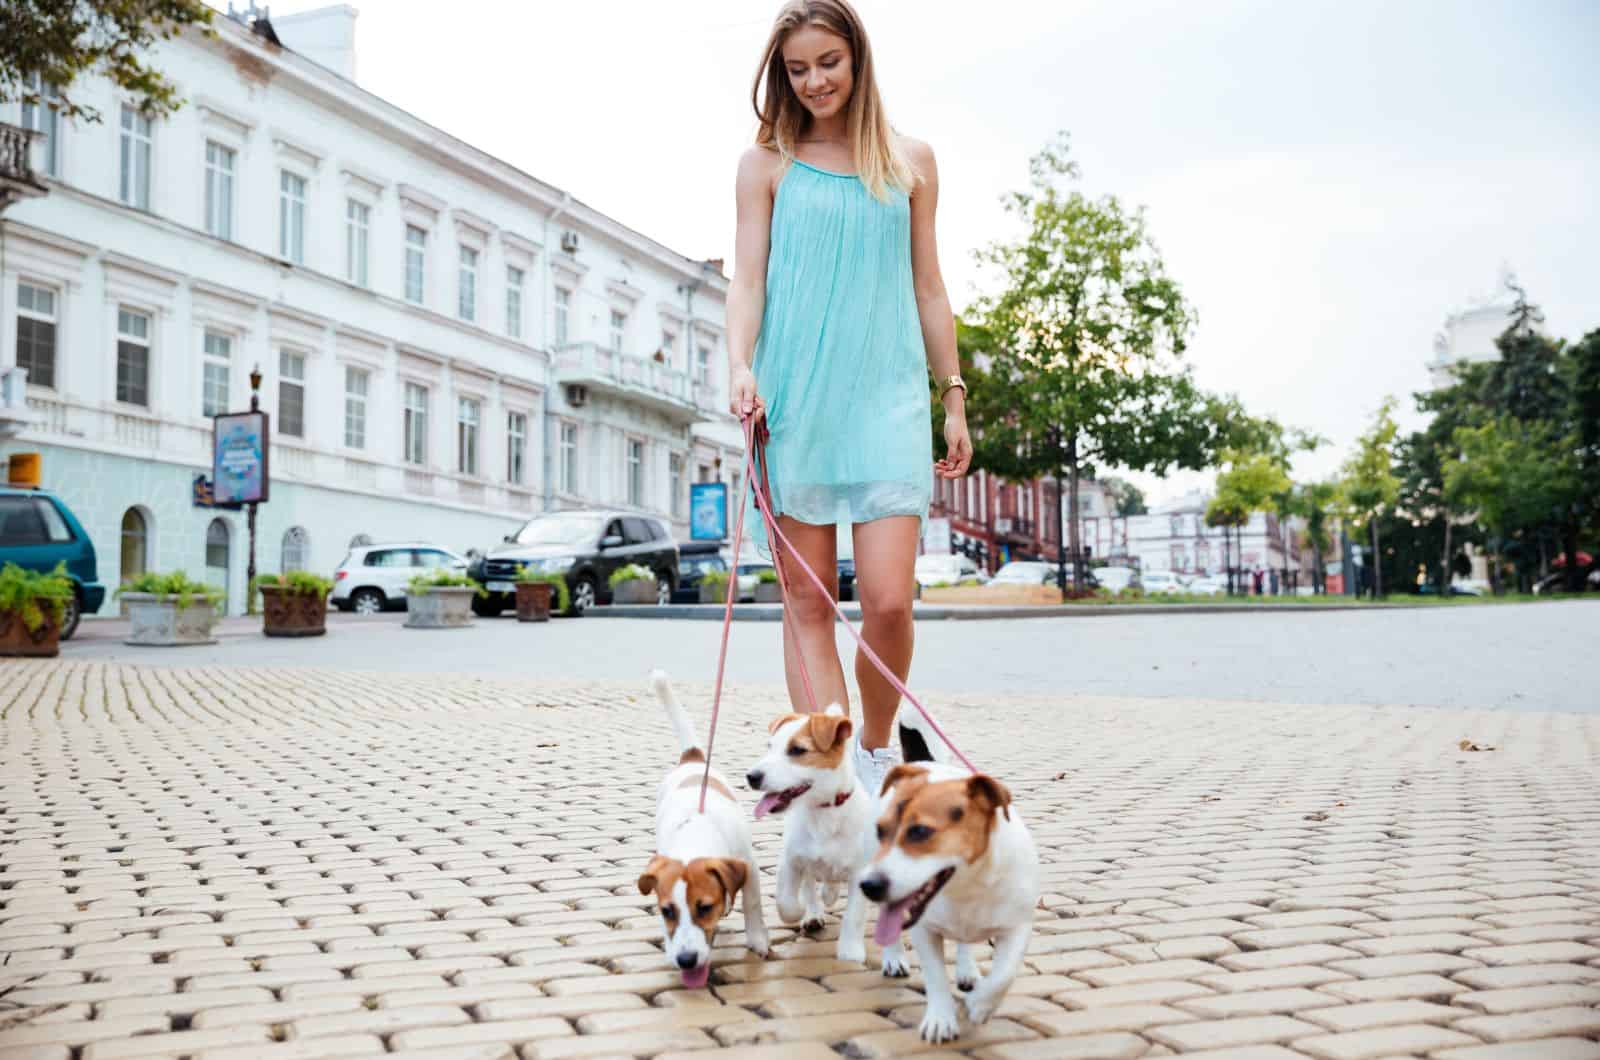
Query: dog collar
{"type": "Point", "coordinates": [839, 800]}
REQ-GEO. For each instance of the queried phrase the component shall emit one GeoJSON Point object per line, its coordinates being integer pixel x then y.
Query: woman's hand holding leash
{"type": "Point", "coordinates": [958, 447]}
{"type": "Point", "coordinates": [743, 401]}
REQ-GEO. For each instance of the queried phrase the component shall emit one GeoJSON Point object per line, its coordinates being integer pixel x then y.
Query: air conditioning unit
{"type": "Point", "coordinates": [577, 395]}
{"type": "Point", "coordinates": [569, 242]}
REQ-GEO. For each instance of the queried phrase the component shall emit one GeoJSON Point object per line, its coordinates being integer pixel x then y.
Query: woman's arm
{"type": "Point", "coordinates": [747, 294]}
{"type": "Point", "coordinates": [933, 306]}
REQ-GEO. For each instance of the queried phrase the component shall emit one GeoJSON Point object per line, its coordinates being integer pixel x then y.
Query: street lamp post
{"type": "Point", "coordinates": [250, 508]}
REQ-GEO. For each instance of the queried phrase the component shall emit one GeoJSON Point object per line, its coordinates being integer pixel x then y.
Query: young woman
{"type": "Point", "coordinates": [836, 314]}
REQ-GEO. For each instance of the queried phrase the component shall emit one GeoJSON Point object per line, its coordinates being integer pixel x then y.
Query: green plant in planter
{"type": "Point", "coordinates": [176, 584]}
{"type": "Point", "coordinates": [714, 577]}
{"type": "Point", "coordinates": [633, 572]}
{"type": "Point", "coordinates": [23, 591]}
{"type": "Point", "coordinates": [443, 578]}
{"type": "Point", "coordinates": [766, 576]}
{"type": "Point", "coordinates": [528, 575]}
{"type": "Point", "coordinates": [295, 581]}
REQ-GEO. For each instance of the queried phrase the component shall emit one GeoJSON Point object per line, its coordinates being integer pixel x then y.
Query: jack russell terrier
{"type": "Point", "coordinates": [703, 860]}
{"type": "Point", "coordinates": [954, 861]}
{"type": "Point", "coordinates": [808, 774]}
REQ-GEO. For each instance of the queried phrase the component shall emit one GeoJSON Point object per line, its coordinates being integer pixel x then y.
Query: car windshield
{"type": "Point", "coordinates": [560, 530]}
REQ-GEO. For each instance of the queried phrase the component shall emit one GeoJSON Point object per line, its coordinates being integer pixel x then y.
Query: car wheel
{"type": "Point", "coordinates": [71, 615]}
{"type": "Point", "coordinates": [584, 595]}
{"type": "Point", "coordinates": [367, 601]}
{"type": "Point", "coordinates": [663, 587]}
{"type": "Point", "coordinates": [488, 608]}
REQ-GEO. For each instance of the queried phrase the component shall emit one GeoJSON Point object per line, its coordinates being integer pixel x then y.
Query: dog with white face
{"type": "Point", "coordinates": [703, 860]}
{"type": "Point", "coordinates": [954, 861]}
{"type": "Point", "coordinates": [808, 776]}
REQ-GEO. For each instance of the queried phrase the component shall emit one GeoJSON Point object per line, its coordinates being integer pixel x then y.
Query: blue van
{"type": "Point", "coordinates": [37, 532]}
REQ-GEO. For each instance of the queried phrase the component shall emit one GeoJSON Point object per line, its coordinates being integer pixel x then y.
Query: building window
{"type": "Point", "coordinates": [135, 545]}
{"type": "Point", "coordinates": [291, 394]}
{"type": "Point", "coordinates": [468, 414]}
{"type": "Point", "coordinates": [703, 473]}
{"type": "Point", "coordinates": [675, 478]}
{"type": "Point", "coordinates": [220, 163]}
{"type": "Point", "coordinates": [635, 472]}
{"type": "Point", "coordinates": [563, 315]}
{"type": "Point", "coordinates": [357, 226]}
{"type": "Point", "coordinates": [416, 258]}
{"type": "Point", "coordinates": [467, 296]}
{"type": "Point", "coordinates": [513, 302]}
{"type": "Point", "coordinates": [217, 368]}
{"type": "Point", "coordinates": [355, 407]}
{"type": "Point", "coordinates": [133, 357]}
{"type": "Point", "coordinates": [291, 217]}
{"type": "Point", "coordinates": [569, 458]}
{"type": "Point", "coordinates": [296, 549]}
{"type": "Point", "coordinates": [702, 367]}
{"type": "Point", "coordinates": [218, 539]}
{"type": "Point", "coordinates": [669, 346]}
{"type": "Point", "coordinates": [43, 118]}
{"type": "Point", "coordinates": [416, 424]}
{"type": "Point", "coordinates": [36, 333]}
{"type": "Point", "coordinates": [619, 327]}
{"type": "Point", "coordinates": [516, 448]}
{"type": "Point", "coordinates": [134, 188]}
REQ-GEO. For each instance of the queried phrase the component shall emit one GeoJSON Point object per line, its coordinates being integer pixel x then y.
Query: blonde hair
{"type": "Point", "coordinates": [879, 161]}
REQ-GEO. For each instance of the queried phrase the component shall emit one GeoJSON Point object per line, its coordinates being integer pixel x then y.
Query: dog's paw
{"type": "Point", "coordinates": [980, 1006]}
{"type": "Point", "coordinates": [812, 925]}
{"type": "Point", "coordinates": [966, 985]}
{"type": "Point", "coordinates": [853, 950]}
{"type": "Point", "coordinates": [966, 969]}
{"type": "Point", "coordinates": [939, 1023]}
{"type": "Point", "coordinates": [895, 966]}
{"type": "Point", "coordinates": [758, 943]}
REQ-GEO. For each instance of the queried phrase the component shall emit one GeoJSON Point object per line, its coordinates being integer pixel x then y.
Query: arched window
{"type": "Point", "coordinates": [135, 544]}
{"type": "Point", "coordinates": [296, 549]}
{"type": "Point", "coordinates": [218, 539]}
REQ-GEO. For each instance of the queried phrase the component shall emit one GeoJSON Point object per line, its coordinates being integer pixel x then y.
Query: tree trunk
{"type": "Point", "coordinates": [1073, 528]}
{"type": "Point", "coordinates": [1377, 562]}
{"type": "Point", "coordinates": [1446, 575]}
{"type": "Point", "coordinates": [1061, 539]}
{"type": "Point", "coordinates": [1316, 573]}
{"type": "Point", "coordinates": [1288, 543]}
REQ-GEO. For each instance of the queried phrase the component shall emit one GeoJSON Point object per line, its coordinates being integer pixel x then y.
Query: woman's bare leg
{"type": "Point", "coordinates": [886, 557]}
{"type": "Point", "coordinates": [808, 614]}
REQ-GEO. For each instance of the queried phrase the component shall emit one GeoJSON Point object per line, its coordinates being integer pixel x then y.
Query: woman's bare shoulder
{"type": "Point", "coordinates": [918, 153]}
{"type": "Point", "coordinates": [759, 162]}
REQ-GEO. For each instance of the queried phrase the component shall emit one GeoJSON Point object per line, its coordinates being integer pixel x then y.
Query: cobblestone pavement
{"type": "Point", "coordinates": [277, 863]}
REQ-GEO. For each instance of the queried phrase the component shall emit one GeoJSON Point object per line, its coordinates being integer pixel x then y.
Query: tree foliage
{"type": "Point", "coordinates": [1369, 487]}
{"type": "Point", "coordinates": [63, 40]}
{"type": "Point", "coordinates": [1126, 498]}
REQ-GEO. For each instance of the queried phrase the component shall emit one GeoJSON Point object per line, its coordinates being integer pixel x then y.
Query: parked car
{"type": "Point", "coordinates": [1210, 585]}
{"type": "Point", "coordinates": [586, 545]}
{"type": "Point", "coordinates": [37, 532]}
{"type": "Point", "coordinates": [847, 578]}
{"type": "Point", "coordinates": [750, 576]}
{"type": "Point", "coordinates": [948, 569]}
{"type": "Point", "coordinates": [373, 578]}
{"type": "Point", "coordinates": [1116, 579]}
{"type": "Point", "coordinates": [1161, 581]}
{"type": "Point", "coordinates": [1023, 572]}
{"type": "Point", "coordinates": [695, 560]}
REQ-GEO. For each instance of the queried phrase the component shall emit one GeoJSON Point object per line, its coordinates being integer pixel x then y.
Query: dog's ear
{"type": "Point", "coordinates": [905, 771]}
{"type": "Point", "coordinates": [989, 795]}
{"type": "Point", "coordinates": [828, 729]}
{"type": "Point", "coordinates": [731, 872]}
{"type": "Point", "coordinates": [650, 879]}
{"type": "Point", "coordinates": [778, 722]}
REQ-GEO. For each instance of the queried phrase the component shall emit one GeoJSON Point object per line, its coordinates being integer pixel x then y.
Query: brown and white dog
{"type": "Point", "coordinates": [703, 860]}
{"type": "Point", "coordinates": [954, 861]}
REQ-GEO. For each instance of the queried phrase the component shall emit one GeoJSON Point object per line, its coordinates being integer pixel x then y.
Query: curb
{"type": "Point", "coordinates": [978, 613]}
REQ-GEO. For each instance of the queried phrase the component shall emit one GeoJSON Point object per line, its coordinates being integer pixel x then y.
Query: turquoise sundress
{"type": "Point", "coordinates": [840, 360]}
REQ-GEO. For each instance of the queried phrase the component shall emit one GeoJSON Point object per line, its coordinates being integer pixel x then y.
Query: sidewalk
{"type": "Point", "coordinates": [277, 863]}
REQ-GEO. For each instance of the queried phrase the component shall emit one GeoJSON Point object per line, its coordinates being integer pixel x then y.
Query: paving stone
{"type": "Point", "coordinates": [1570, 1021]}
{"type": "Point", "coordinates": [1523, 999]}
{"type": "Point", "coordinates": [1231, 1033]}
{"type": "Point", "coordinates": [1545, 1049]}
{"type": "Point", "coordinates": [1367, 1015]}
{"type": "Point", "coordinates": [1386, 1041]}
{"type": "Point", "coordinates": [1257, 1003]}
{"type": "Point", "coordinates": [1087, 1047]}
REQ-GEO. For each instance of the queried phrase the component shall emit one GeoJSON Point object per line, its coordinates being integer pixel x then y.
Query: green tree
{"type": "Point", "coordinates": [1229, 513]}
{"type": "Point", "coordinates": [62, 40]}
{"type": "Point", "coordinates": [1316, 502]}
{"type": "Point", "coordinates": [1252, 482]}
{"type": "Point", "coordinates": [1084, 346]}
{"type": "Point", "coordinates": [1128, 498]}
{"type": "Point", "coordinates": [1369, 487]}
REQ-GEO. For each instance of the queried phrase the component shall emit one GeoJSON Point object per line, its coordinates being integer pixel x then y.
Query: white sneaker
{"type": "Point", "coordinates": [873, 766]}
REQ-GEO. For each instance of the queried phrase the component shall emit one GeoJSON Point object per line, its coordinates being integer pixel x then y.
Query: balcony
{"type": "Point", "coordinates": [15, 416]}
{"type": "Point", "coordinates": [638, 380]}
{"type": "Point", "coordinates": [18, 181]}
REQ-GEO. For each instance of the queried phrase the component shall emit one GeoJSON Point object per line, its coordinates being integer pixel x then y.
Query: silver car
{"type": "Point", "coordinates": [374, 578]}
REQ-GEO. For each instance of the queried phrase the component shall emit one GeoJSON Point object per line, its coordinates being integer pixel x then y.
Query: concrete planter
{"type": "Point", "coordinates": [441, 607]}
{"type": "Point", "coordinates": [769, 593]}
{"type": "Point", "coordinates": [534, 600]}
{"type": "Point", "coordinates": [1003, 596]}
{"type": "Point", "coordinates": [42, 643]}
{"type": "Point", "coordinates": [714, 594]}
{"type": "Point", "coordinates": [158, 622]}
{"type": "Point", "coordinates": [638, 591]}
{"type": "Point", "coordinates": [292, 614]}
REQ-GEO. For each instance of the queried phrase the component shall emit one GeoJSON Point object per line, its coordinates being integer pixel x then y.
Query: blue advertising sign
{"type": "Point", "coordinates": [239, 458]}
{"type": "Point", "coordinates": [708, 511]}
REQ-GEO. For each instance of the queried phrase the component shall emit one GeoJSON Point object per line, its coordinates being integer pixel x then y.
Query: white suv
{"type": "Point", "coordinates": [374, 577]}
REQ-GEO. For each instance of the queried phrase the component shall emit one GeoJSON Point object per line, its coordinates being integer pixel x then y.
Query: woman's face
{"type": "Point", "coordinates": [819, 65]}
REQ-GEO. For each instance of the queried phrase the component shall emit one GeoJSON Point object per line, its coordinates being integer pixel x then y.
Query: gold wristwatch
{"type": "Point", "coordinates": [949, 383]}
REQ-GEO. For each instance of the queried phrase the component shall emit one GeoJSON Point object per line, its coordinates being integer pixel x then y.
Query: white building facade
{"type": "Point", "coordinates": [1174, 537]}
{"type": "Point", "coordinates": [447, 345]}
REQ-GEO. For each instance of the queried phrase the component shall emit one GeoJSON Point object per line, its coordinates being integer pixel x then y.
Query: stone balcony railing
{"type": "Point", "coordinates": [641, 380]}
{"type": "Point", "coordinates": [17, 178]}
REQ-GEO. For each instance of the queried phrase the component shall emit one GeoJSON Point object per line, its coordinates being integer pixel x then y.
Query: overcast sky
{"type": "Point", "coordinates": [1327, 179]}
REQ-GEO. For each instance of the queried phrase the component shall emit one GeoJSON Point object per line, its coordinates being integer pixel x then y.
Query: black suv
{"type": "Point", "coordinates": [586, 545]}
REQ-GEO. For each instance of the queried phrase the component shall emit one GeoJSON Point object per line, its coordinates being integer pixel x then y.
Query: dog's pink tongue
{"type": "Point", "coordinates": [695, 978]}
{"type": "Point", "coordinates": [891, 920]}
{"type": "Point", "coordinates": [766, 804]}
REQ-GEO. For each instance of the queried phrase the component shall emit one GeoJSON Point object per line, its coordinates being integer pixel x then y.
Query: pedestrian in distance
{"type": "Point", "coordinates": [836, 313]}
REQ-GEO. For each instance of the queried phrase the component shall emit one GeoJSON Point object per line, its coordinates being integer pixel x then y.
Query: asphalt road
{"type": "Point", "coordinates": [1506, 657]}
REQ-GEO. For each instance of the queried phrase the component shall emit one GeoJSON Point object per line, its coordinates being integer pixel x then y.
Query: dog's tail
{"type": "Point", "coordinates": [918, 741]}
{"type": "Point", "coordinates": [681, 725]}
